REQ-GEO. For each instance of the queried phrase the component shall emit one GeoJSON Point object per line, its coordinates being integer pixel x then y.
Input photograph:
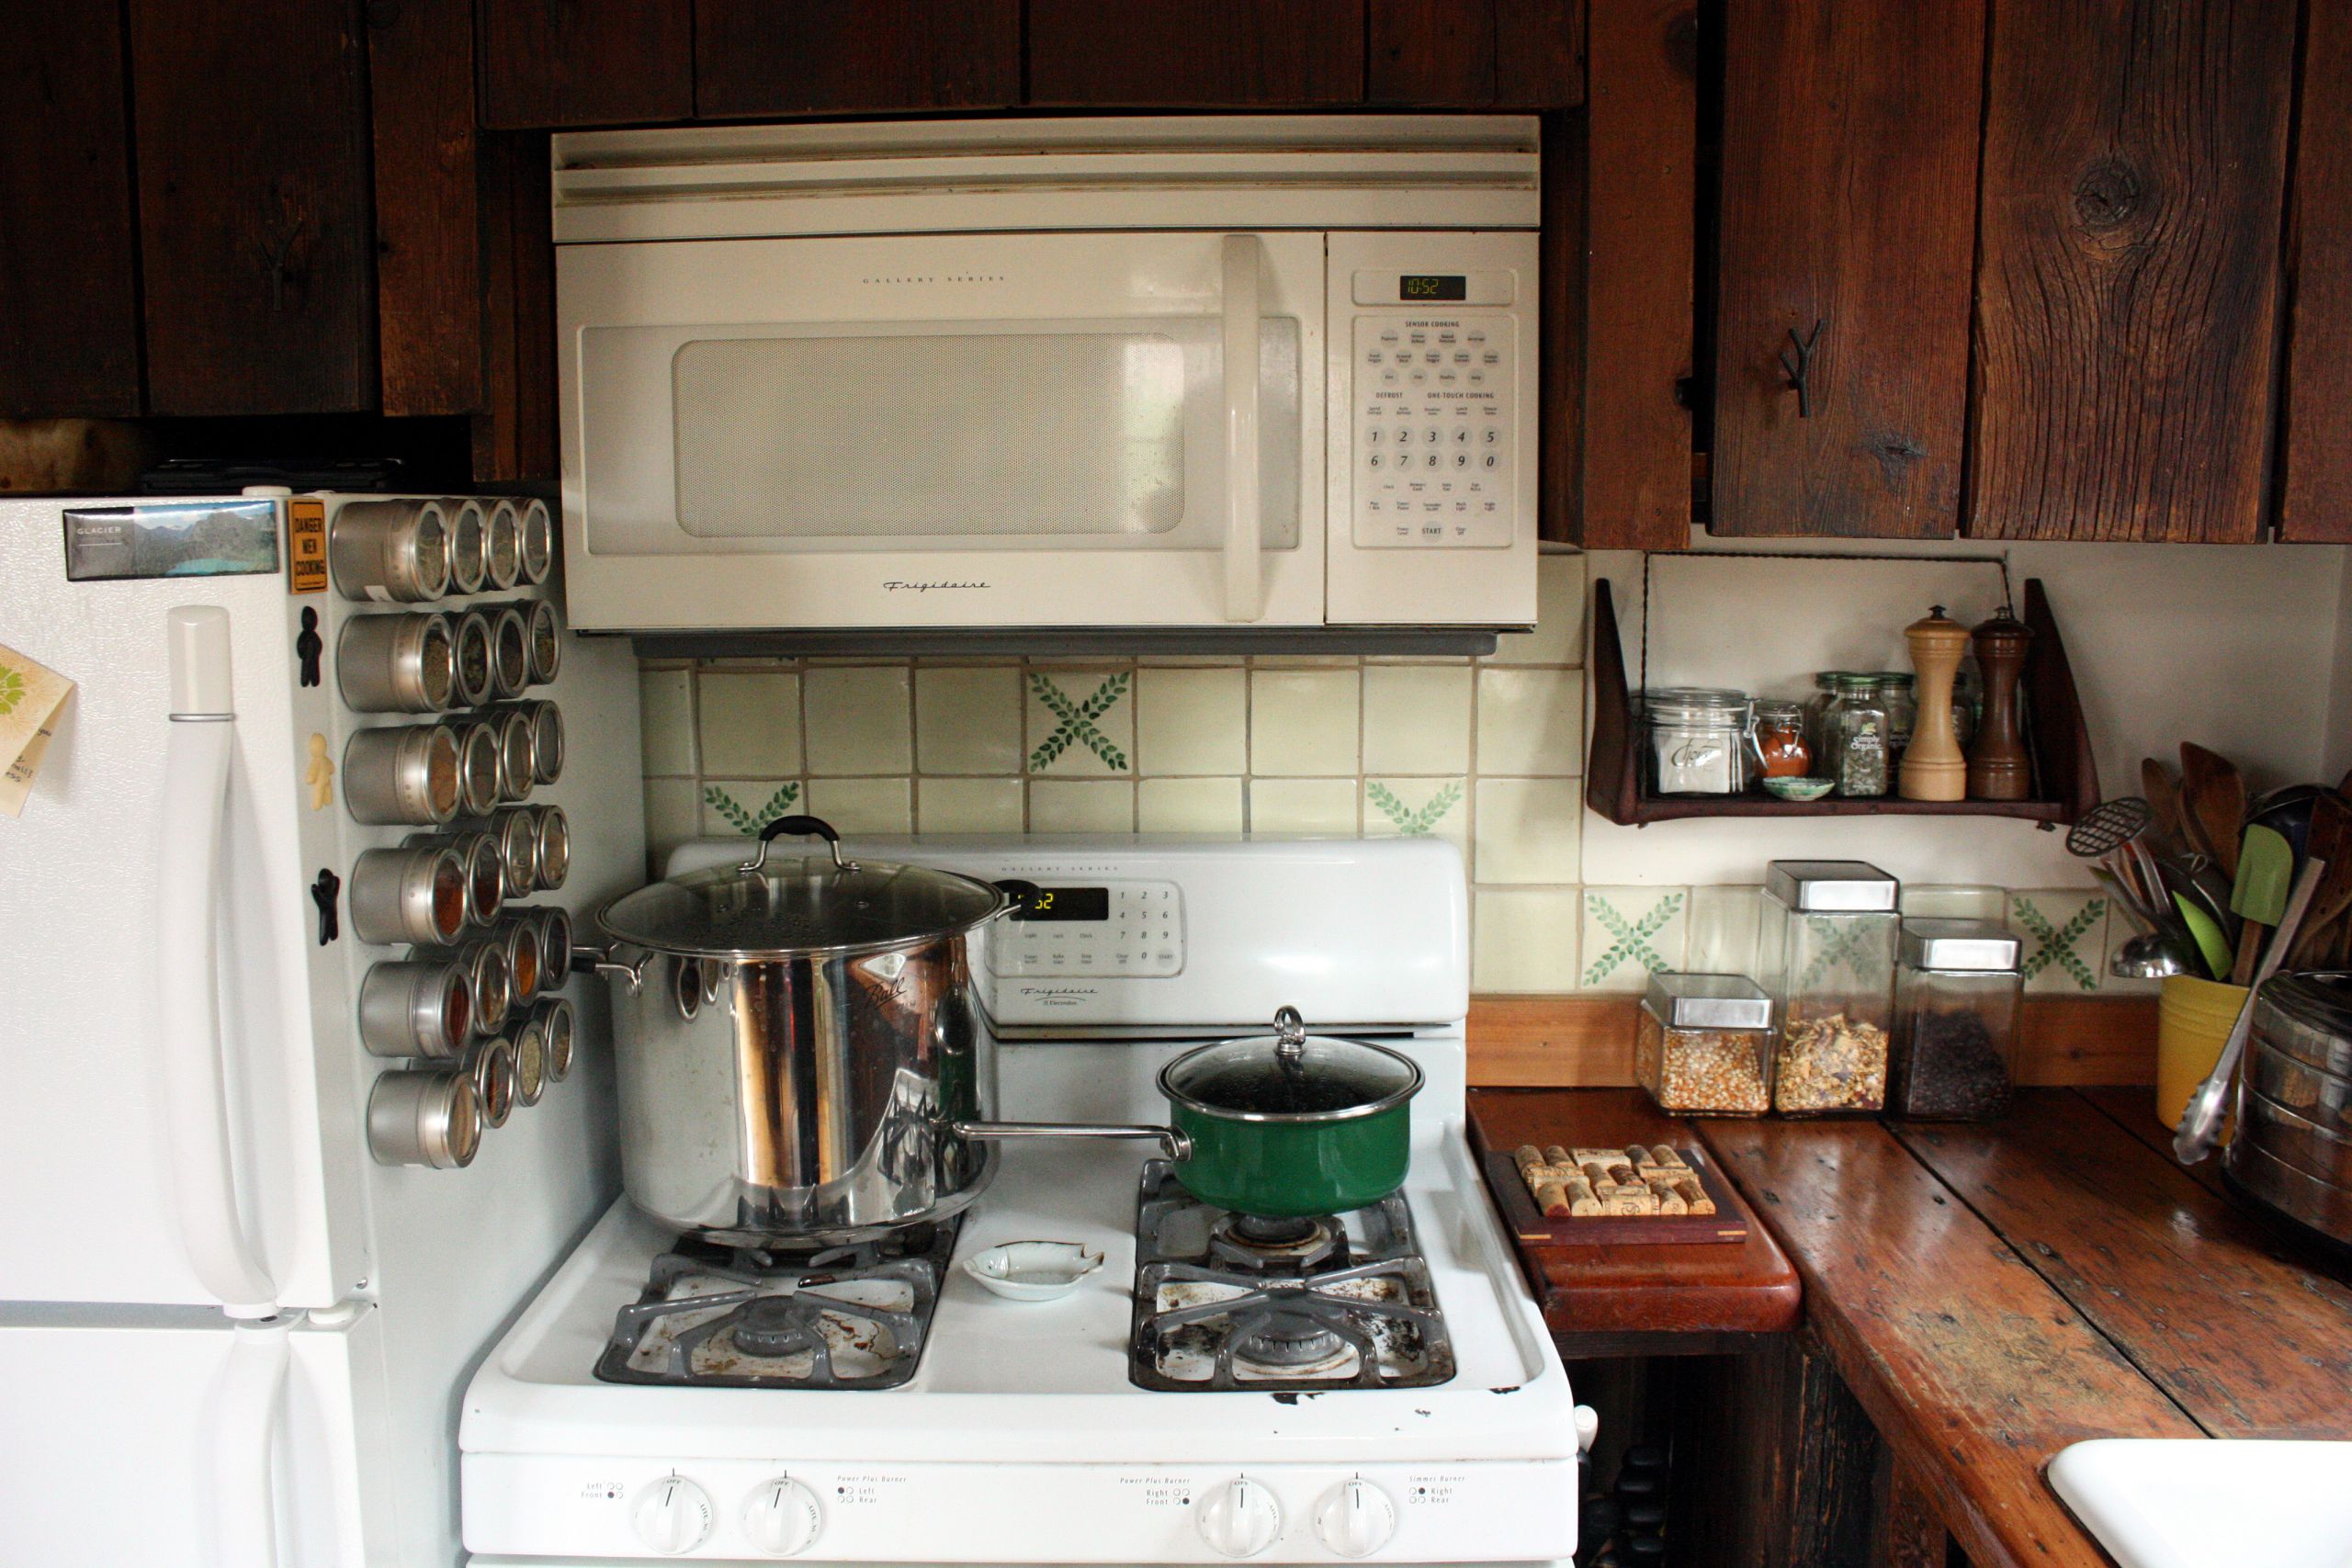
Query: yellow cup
{"type": "Point", "coordinates": [2193, 1018]}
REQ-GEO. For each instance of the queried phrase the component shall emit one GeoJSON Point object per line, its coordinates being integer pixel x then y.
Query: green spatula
{"type": "Point", "coordinates": [2212, 943]}
{"type": "Point", "coordinates": [2265, 873]}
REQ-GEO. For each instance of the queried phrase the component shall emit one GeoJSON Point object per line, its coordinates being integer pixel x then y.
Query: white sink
{"type": "Point", "coordinates": [2203, 1503]}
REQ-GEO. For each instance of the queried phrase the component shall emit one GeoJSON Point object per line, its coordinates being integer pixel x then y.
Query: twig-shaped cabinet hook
{"type": "Point", "coordinates": [1799, 365]}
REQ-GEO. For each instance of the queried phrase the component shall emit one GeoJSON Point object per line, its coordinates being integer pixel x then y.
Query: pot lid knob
{"type": "Point", "coordinates": [811, 827]}
{"type": "Point", "coordinates": [1290, 1034]}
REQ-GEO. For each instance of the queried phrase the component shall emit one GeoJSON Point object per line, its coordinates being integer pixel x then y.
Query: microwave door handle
{"type": "Point", "coordinates": [1245, 592]}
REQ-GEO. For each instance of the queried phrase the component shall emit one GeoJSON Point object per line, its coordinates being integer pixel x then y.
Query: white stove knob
{"type": "Point", "coordinates": [1240, 1519]}
{"type": "Point", "coordinates": [782, 1518]}
{"type": "Point", "coordinates": [673, 1516]}
{"type": "Point", "coordinates": [1356, 1518]}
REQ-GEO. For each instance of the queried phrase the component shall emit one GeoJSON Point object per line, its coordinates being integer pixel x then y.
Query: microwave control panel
{"type": "Point", "coordinates": [1126, 930]}
{"type": "Point", "coordinates": [1434, 419]}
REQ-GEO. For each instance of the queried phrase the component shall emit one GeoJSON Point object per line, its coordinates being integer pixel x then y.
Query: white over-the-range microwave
{"type": "Point", "coordinates": [1212, 381]}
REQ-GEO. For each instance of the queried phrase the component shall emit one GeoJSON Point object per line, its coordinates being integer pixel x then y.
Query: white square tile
{"type": "Point", "coordinates": [1303, 723]}
{"type": "Point", "coordinates": [751, 723]}
{"type": "Point", "coordinates": [1631, 933]}
{"type": "Point", "coordinates": [1525, 939]}
{"type": "Point", "coordinates": [666, 722]}
{"type": "Point", "coordinates": [1322, 806]}
{"type": "Point", "coordinates": [1189, 805]}
{"type": "Point", "coordinates": [746, 805]}
{"type": "Point", "coordinates": [2062, 937]}
{"type": "Point", "coordinates": [1082, 805]}
{"type": "Point", "coordinates": [1558, 637]}
{"type": "Point", "coordinates": [967, 805]}
{"type": "Point", "coordinates": [1191, 721]}
{"type": "Point", "coordinates": [1417, 718]}
{"type": "Point", "coordinates": [1953, 901]}
{"type": "Point", "coordinates": [967, 720]}
{"type": "Point", "coordinates": [864, 806]}
{"type": "Point", "coordinates": [1721, 936]}
{"type": "Point", "coordinates": [1418, 807]}
{"type": "Point", "coordinates": [1081, 720]}
{"type": "Point", "coordinates": [1531, 722]}
{"type": "Point", "coordinates": [858, 720]}
{"type": "Point", "coordinates": [1528, 830]}
{"type": "Point", "coordinates": [673, 815]}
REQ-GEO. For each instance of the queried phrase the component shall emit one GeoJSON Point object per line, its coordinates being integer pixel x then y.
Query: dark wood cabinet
{"type": "Point", "coordinates": [2127, 282]}
{"type": "Point", "coordinates": [791, 57]}
{"type": "Point", "coordinates": [1847, 231]}
{"type": "Point", "coordinates": [556, 62]}
{"type": "Point", "coordinates": [255, 236]}
{"type": "Point", "coordinates": [68, 296]}
{"type": "Point", "coordinates": [428, 207]}
{"type": "Point", "coordinates": [1475, 54]}
{"type": "Point", "coordinates": [1196, 53]}
{"type": "Point", "coordinates": [2315, 490]}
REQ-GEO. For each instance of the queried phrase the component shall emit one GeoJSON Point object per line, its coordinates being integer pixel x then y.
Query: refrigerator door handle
{"type": "Point", "coordinates": [199, 742]}
{"type": "Point", "coordinates": [245, 1498]}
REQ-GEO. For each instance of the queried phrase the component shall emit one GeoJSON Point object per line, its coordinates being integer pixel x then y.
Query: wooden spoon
{"type": "Point", "coordinates": [2330, 840]}
{"type": "Point", "coordinates": [2163, 796]}
{"type": "Point", "coordinates": [2212, 796]}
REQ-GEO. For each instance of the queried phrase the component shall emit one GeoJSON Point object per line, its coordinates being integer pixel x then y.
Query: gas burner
{"type": "Point", "coordinates": [1226, 1300]}
{"type": "Point", "coordinates": [837, 1317]}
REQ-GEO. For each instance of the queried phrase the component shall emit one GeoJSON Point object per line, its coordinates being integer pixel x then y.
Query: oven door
{"type": "Point", "coordinates": [975, 430]}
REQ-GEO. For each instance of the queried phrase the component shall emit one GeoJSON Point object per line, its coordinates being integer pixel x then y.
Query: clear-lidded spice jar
{"type": "Point", "coordinates": [1967, 705]}
{"type": "Point", "coordinates": [1857, 727]}
{"type": "Point", "coordinates": [1781, 749]}
{"type": "Point", "coordinates": [1702, 1046]}
{"type": "Point", "coordinates": [1826, 954]}
{"type": "Point", "coordinates": [1816, 711]}
{"type": "Point", "coordinates": [1958, 993]}
{"type": "Point", "coordinates": [1698, 739]}
{"type": "Point", "coordinates": [1898, 692]}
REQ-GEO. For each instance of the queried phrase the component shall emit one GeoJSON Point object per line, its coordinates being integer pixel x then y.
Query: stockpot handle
{"type": "Point", "coordinates": [808, 827]}
{"type": "Point", "coordinates": [587, 960]}
{"type": "Point", "coordinates": [1174, 1143]}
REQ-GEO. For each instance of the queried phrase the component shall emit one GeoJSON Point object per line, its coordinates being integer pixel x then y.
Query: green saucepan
{"type": "Point", "coordinates": [1291, 1125]}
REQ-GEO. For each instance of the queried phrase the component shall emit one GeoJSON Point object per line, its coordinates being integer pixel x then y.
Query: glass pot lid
{"type": "Point", "coordinates": [1290, 1076]}
{"type": "Point", "coordinates": [785, 905]}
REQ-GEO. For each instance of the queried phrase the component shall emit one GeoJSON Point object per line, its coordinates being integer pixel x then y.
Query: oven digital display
{"type": "Point", "coordinates": [1413, 285]}
{"type": "Point", "coordinates": [1069, 904]}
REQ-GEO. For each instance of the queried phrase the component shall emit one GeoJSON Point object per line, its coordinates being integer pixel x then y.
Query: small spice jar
{"type": "Point", "coordinates": [1781, 745]}
{"type": "Point", "coordinates": [1857, 728]}
{"type": "Point", "coordinates": [1698, 739]}
{"type": "Point", "coordinates": [1958, 993]}
{"type": "Point", "coordinates": [1826, 950]}
{"type": "Point", "coordinates": [1898, 692]}
{"type": "Point", "coordinates": [1816, 710]}
{"type": "Point", "coordinates": [1702, 1046]}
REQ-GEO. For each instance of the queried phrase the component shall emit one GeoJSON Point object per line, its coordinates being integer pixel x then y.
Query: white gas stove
{"type": "Point", "coordinates": [1034, 1432]}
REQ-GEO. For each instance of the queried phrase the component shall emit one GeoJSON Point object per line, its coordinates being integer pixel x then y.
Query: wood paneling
{"type": "Point", "coordinates": [2315, 499]}
{"type": "Point", "coordinates": [514, 436]}
{"type": "Point", "coordinates": [1971, 1367]}
{"type": "Point", "coordinates": [1196, 53]}
{"type": "Point", "coordinates": [1642, 130]}
{"type": "Point", "coordinates": [772, 57]}
{"type": "Point", "coordinates": [2127, 284]}
{"type": "Point", "coordinates": [1475, 53]}
{"type": "Point", "coordinates": [552, 62]}
{"type": "Point", "coordinates": [255, 237]}
{"type": "Point", "coordinates": [1849, 206]}
{"type": "Point", "coordinates": [428, 213]}
{"type": "Point", "coordinates": [1560, 412]}
{"type": "Point", "coordinates": [69, 294]}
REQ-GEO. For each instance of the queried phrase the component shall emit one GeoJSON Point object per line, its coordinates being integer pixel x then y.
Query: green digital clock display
{"type": "Point", "coordinates": [1415, 286]}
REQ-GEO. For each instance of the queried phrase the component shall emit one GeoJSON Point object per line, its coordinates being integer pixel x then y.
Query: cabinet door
{"type": "Point", "coordinates": [428, 207]}
{"type": "Point", "coordinates": [69, 306]}
{"type": "Point", "coordinates": [769, 56]}
{"type": "Point", "coordinates": [1849, 226]}
{"type": "Point", "coordinates": [1196, 53]}
{"type": "Point", "coordinates": [550, 62]}
{"type": "Point", "coordinates": [1475, 53]}
{"type": "Point", "coordinates": [2315, 500]}
{"type": "Point", "coordinates": [2128, 264]}
{"type": "Point", "coordinates": [254, 226]}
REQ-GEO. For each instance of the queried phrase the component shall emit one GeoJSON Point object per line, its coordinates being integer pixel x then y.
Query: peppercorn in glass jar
{"type": "Point", "coordinates": [1702, 1046]}
{"type": "Point", "coordinates": [1957, 996]}
{"type": "Point", "coordinates": [1825, 953]}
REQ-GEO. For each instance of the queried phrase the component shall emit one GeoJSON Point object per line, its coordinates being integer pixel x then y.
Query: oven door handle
{"type": "Point", "coordinates": [1245, 590]}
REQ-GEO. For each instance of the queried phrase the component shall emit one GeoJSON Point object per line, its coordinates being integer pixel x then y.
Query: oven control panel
{"type": "Point", "coordinates": [1433, 424]}
{"type": "Point", "coordinates": [1092, 929]}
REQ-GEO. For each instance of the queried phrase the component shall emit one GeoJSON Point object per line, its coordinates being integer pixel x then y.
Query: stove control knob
{"type": "Point", "coordinates": [1241, 1519]}
{"type": "Point", "coordinates": [673, 1516]}
{"type": "Point", "coordinates": [1356, 1518]}
{"type": "Point", "coordinates": [781, 1517]}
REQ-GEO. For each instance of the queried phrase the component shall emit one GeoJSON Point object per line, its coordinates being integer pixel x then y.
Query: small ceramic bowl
{"type": "Point", "coordinates": [1033, 1271]}
{"type": "Point", "coordinates": [1800, 789]}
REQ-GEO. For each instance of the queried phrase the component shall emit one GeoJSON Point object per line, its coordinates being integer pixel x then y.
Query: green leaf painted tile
{"type": "Point", "coordinates": [2053, 945]}
{"type": "Point", "coordinates": [1076, 721]}
{"type": "Point", "coordinates": [1410, 821]}
{"type": "Point", "coordinates": [745, 821]}
{"type": "Point", "coordinates": [1629, 939]}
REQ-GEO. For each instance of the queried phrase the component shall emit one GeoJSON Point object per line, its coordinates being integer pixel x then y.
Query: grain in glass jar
{"type": "Point", "coordinates": [1782, 750]}
{"type": "Point", "coordinates": [1702, 1046]}
{"type": "Point", "coordinates": [1958, 993]}
{"type": "Point", "coordinates": [1698, 739]}
{"type": "Point", "coordinates": [1825, 956]}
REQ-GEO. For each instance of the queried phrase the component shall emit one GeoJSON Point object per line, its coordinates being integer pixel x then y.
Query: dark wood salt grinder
{"type": "Point", "coordinates": [1999, 767]}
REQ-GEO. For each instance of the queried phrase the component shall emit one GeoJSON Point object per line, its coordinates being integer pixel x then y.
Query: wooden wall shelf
{"type": "Point", "coordinates": [2061, 745]}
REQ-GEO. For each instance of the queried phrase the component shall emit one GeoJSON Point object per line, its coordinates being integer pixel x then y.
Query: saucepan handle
{"type": "Point", "coordinates": [798, 827]}
{"type": "Point", "coordinates": [1175, 1143]}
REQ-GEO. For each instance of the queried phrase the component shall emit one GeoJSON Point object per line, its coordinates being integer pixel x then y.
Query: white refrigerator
{"type": "Point", "coordinates": [229, 1337]}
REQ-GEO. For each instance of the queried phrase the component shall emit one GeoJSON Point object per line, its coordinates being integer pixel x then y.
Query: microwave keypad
{"type": "Point", "coordinates": [1141, 936]}
{"type": "Point", "coordinates": [1434, 415]}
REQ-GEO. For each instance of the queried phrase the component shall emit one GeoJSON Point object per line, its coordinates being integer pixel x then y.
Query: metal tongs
{"type": "Point", "coordinates": [2201, 1119]}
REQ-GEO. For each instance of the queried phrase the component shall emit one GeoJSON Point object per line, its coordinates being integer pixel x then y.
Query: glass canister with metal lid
{"type": "Point", "coordinates": [1826, 952]}
{"type": "Point", "coordinates": [1698, 739]}
{"type": "Point", "coordinates": [2293, 1147]}
{"type": "Point", "coordinates": [1702, 1046]}
{"type": "Point", "coordinates": [1958, 993]}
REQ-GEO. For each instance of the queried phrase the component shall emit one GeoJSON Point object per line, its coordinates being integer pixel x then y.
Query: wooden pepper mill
{"type": "Point", "coordinates": [1933, 768]}
{"type": "Point", "coordinates": [1999, 768]}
